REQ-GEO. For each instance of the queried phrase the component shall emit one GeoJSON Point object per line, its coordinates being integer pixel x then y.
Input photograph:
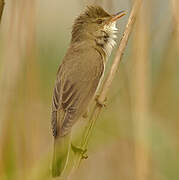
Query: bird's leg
{"type": "Point", "coordinates": [99, 103]}
{"type": "Point", "coordinates": [79, 151]}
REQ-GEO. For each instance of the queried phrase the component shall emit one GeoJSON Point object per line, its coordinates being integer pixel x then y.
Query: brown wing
{"type": "Point", "coordinates": [65, 98]}
{"type": "Point", "coordinates": [73, 90]}
{"type": "Point", "coordinates": [55, 104]}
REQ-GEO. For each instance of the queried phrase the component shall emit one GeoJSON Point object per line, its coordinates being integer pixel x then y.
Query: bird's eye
{"type": "Point", "coordinates": [99, 21]}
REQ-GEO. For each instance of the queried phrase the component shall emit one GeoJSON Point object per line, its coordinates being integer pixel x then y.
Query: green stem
{"type": "Point", "coordinates": [87, 133]}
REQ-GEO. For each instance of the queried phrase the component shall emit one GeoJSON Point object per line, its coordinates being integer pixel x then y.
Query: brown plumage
{"type": "Point", "coordinates": [75, 86]}
{"type": "Point", "coordinates": [79, 76]}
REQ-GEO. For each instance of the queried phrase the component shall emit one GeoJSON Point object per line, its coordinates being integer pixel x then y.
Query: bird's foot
{"type": "Point", "coordinates": [99, 103]}
{"type": "Point", "coordinates": [79, 151]}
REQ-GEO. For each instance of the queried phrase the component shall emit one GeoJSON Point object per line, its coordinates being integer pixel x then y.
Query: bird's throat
{"type": "Point", "coordinates": [107, 39]}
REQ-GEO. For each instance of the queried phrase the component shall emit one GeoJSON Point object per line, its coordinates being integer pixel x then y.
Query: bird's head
{"type": "Point", "coordinates": [95, 23]}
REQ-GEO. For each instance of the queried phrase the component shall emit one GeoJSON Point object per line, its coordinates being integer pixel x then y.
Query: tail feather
{"type": "Point", "coordinates": [60, 155]}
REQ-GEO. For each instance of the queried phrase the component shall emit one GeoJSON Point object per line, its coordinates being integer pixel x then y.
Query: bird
{"type": "Point", "coordinates": [79, 76]}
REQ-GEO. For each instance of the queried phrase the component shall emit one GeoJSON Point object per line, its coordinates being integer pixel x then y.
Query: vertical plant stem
{"type": "Point", "coordinates": [175, 11]}
{"type": "Point", "coordinates": [9, 76]}
{"type": "Point", "coordinates": [139, 94]}
{"type": "Point", "coordinates": [107, 82]}
{"type": "Point", "coordinates": [1, 8]}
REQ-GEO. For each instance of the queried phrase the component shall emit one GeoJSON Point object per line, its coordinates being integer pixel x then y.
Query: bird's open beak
{"type": "Point", "coordinates": [115, 17]}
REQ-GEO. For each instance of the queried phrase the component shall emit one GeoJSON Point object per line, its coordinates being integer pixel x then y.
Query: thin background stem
{"type": "Point", "coordinates": [1, 8]}
{"type": "Point", "coordinates": [175, 12]}
{"type": "Point", "coordinates": [139, 93]}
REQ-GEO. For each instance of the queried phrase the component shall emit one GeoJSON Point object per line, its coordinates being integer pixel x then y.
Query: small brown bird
{"type": "Point", "coordinates": [79, 76]}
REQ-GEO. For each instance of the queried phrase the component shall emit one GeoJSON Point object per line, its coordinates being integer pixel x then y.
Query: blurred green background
{"type": "Point", "coordinates": [136, 136]}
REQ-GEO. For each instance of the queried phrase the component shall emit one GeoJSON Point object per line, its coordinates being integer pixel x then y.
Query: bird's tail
{"type": "Point", "coordinates": [60, 154]}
